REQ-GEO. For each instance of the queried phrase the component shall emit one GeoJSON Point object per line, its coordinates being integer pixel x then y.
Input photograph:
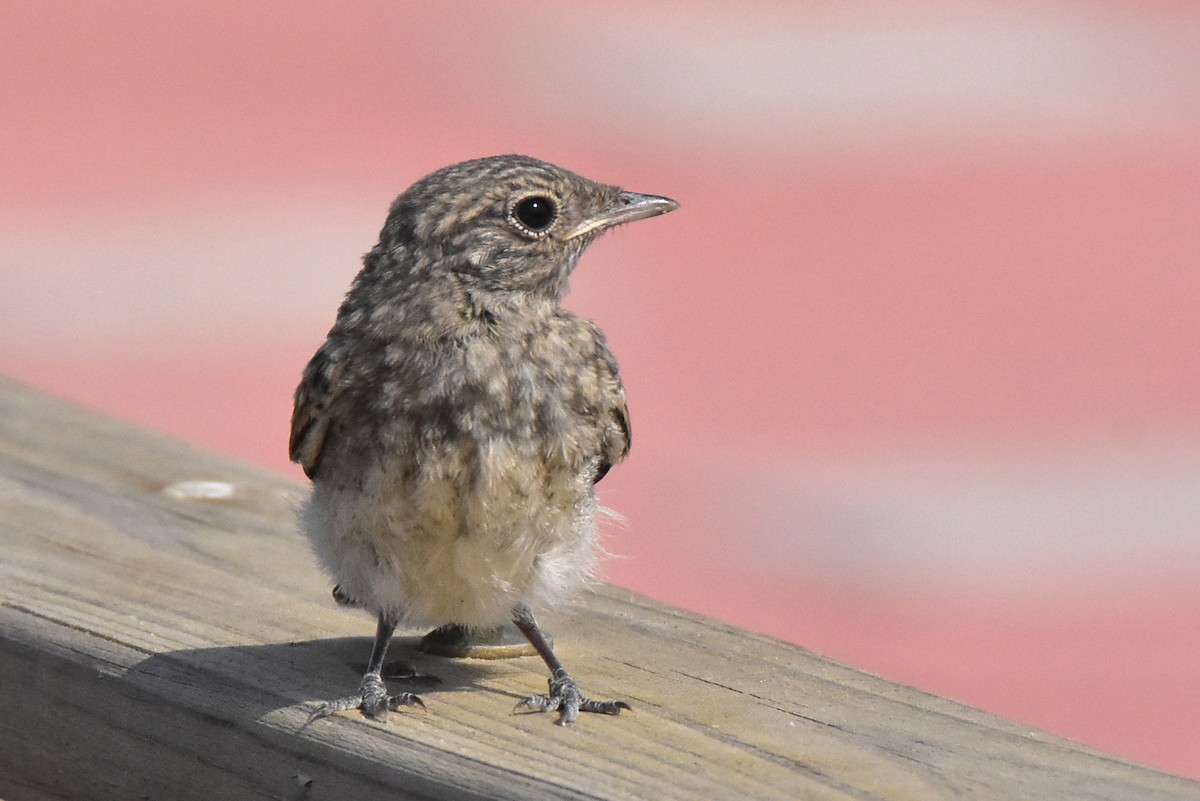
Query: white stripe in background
{"type": "Point", "coordinates": [810, 76]}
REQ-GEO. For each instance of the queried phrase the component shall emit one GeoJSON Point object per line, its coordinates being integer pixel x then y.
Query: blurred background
{"type": "Point", "coordinates": [912, 371]}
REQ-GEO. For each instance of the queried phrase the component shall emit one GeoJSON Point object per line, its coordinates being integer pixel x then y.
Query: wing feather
{"type": "Point", "coordinates": [317, 392]}
{"type": "Point", "coordinates": [618, 434]}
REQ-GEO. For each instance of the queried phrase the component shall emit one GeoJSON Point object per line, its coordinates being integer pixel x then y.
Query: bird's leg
{"type": "Point", "coordinates": [564, 694]}
{"type": "Point", "coordinates": [372, 697]}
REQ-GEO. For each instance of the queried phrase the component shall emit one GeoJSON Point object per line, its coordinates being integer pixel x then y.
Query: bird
{"type": "Point", "coordinates": [457, 418]}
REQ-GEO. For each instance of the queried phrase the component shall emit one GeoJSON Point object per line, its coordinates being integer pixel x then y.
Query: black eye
{"type": "Point", "coordinates": [536, 213]}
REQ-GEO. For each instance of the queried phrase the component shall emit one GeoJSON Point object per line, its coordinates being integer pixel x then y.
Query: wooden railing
{"type": "Point", "coordinates": [164, 632]}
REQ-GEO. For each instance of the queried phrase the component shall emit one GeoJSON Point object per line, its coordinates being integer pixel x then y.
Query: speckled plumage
{"type": "Point", "coordinates": [456, 419]}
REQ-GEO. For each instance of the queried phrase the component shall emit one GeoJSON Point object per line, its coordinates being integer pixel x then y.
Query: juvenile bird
{"type": "Point", "coordinates": [457, 418]}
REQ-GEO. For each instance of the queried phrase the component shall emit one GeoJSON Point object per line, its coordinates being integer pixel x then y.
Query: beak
{"type": "Point", "coordinates": [630, 206]}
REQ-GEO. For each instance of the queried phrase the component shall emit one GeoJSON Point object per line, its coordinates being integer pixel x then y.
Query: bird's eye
{"type": "Point", "coordinates": [535, 213]}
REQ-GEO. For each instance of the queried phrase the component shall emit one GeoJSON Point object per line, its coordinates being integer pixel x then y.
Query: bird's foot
{"type": "Point", "coordinates": [372, 699]}
{"type": "Point", "coordinates": [564, 696]}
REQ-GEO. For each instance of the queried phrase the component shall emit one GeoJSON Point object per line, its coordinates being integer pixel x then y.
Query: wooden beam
{"type": "Point", "coordinates": [161, 637]}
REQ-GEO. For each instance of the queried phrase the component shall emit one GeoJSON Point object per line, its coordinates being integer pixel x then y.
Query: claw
{"type": "Point", "coordinates": [536, 703]}
{"type": "Point", "coordinates": [394, 702]}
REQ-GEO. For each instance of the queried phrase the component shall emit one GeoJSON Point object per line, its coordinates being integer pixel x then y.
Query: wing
{"type": "Point", "coordinates": [317, 392]}
{"type": "Point", "coordinates": [617, 434]}
{"type": "Point", "coordinates": [621, 443]}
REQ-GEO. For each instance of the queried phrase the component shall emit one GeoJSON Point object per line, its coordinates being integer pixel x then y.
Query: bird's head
{"type": "Point", "coordinates": [507, 224]}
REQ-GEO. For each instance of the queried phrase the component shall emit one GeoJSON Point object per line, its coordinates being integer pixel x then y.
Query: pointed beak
{"type": "Point", "coordinates": [630, 206]}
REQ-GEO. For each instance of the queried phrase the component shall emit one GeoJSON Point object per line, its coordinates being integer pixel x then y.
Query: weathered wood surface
{"type": "Point", "coordinates": [155, 645]}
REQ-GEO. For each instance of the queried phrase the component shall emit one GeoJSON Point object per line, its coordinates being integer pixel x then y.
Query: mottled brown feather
{"type": "Point", "coordinates": [315, 395]}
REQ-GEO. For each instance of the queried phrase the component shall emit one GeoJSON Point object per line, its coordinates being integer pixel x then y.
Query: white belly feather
{"type": "Point", "coordinates": [463, 541]}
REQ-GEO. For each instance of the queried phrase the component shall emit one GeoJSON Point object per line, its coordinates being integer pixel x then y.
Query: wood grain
{"type": "Point", "coordinates": [159, 645]}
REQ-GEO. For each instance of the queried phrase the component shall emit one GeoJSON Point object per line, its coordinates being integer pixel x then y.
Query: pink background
{"type": "Point", "coordinates": [913, 371]}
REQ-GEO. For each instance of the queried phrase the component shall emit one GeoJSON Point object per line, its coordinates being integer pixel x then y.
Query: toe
{"type": "Point", "coordinates": [405, 699]}
{"type": "Point", "coordinates": [604, 707]}
{"type": "Point", "coordinates": [376, 709]}
{"type": "Point", "coordinates": [568, 714]}
{"type": "Point", "coordinates": [536, 703]}
{"type": "Point", "coordinates": [330, 707]}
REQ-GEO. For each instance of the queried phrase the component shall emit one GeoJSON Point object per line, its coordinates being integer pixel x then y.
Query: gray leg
{"type": "Point", "coordinates": [372, 697]}
{"type": "Point", "coordinates": [564, 694]}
